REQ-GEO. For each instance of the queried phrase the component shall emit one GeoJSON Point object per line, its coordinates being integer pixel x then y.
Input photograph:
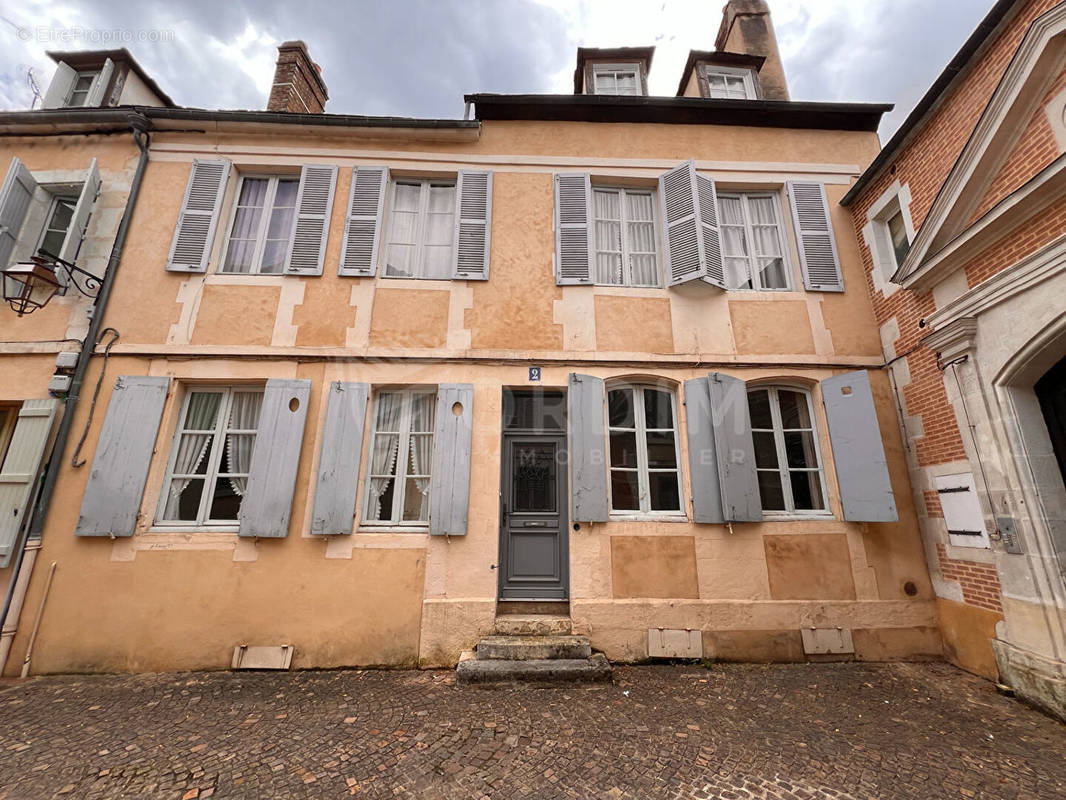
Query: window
{"type": "Point", "coordinates": [401, 458]}
{"type": "Point", "coordinates": [420, 229]}
{"type": "Point", "coordinates": [208, 470]}
{"type": "Point", "coordinates": [753, 251]}
{"type": "Point", "coordinates": [56, 224]}
{"type": "Point", "coordinates": [725, 83]}
{"type": "Point", "coordinates": [79, 91]}
{"type": "Point", "coordinates": [787, 462]}
{"type": "Point", "coordinates": [643, 450]}
{"type": "Point", "coordinates": [897, 233]}
{"type": "Point", "coordinates": [626, 249]}
{"type": "Point", "coordinates": [263, 218]}
{"type": "Point", "coordinates": [608, 79]}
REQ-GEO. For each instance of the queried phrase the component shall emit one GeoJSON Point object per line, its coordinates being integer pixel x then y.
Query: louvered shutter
{"type": "Point", "coordinates": [473, 225]}
{"type": "Point", "coordinates": [690, 218]}
{"type": "Point", "coordinates": [814, 234]}
{"type": "Point", "coordinates": [362, 230]}
{"type": "Point", "coordinates": [59, 89]}
{"type": "Point", "coordinates": [574, 246]}
{"type": "Point", "coordinates": [337, 486]}
{"type": "Point", "coordinates": [200, 210]}
{"type": "Point", "coordinates": [95, 96]}
{"type": "Point", "coordinates": [314, 202]}
{"type": "Point", "coordinates": [80, 219]}
{"type": "Point", "coordinates": [22, 464]}
{"type": "Point", "coordinates": [267, 503]}
{"type": "Point", "coordinates": [123, 454]}
{"type": "Point", "coordinates": [587, 451]}
{"type": "Point", "coordinates": [734, 448]}
{"type": "Point", "coordinates": [449, 490]}
{"type": "Point", "coordinates": [702, 455]}
{"type": "Point", "coordinates": [16, 193]}
{"type": "Point", "coordinates": [858, 452]}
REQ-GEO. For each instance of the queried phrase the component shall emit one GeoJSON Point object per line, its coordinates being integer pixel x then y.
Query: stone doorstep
{"type": "Point", "coordinates": [473, 671]}
{"type": "Point", "coordinates": [532, 648]}
{"type": "Point", "coordinates": [533, 625]}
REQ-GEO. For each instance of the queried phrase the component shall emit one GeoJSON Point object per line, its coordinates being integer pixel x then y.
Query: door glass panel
{"type": "Point", "coordinates": [534, 411]}
{"type": "Point", "coordinates": [533, 477]}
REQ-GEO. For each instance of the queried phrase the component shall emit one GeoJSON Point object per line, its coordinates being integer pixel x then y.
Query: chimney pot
{"type": "Point", "coordinates": [298, 85]}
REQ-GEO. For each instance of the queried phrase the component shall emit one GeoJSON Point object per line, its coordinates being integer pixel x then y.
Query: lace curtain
{"type": "Point", "coordinates": [386, 446]}
{"type": "Point", "coordinates": [201, 415]}
{"type": "Point", "coordinates": [244, 415]}
{"type": "Point", "coordinates": [423, 415]}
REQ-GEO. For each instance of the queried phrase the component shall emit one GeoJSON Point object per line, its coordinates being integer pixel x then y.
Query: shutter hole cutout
{"type": "Point", "coordinates": [910, 589]}
{"type": "Point", "coordinates": [845, 390]}
{"type": "Point", "coordinates": [294, 404]}
{"type": "Point", "coordinates": [457, 409]}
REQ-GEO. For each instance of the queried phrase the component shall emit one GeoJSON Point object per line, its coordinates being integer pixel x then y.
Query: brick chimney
{"type": "Point", "coordinates": [746, 28]}
{"type": "Point", "coordinates": [298, 86]}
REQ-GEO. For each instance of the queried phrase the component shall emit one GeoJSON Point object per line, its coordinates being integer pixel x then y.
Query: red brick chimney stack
{"type": "Point", "coordinates": [298, 86]}
{"type": "Point", "coordinates": [746, 28]}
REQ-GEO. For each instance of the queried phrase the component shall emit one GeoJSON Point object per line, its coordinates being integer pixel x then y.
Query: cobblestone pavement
{"type": "Point", "coordinates": [730, 731]}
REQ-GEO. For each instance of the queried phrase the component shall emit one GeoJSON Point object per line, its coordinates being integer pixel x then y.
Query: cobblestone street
{"type": "Point", "coordinates": [731, 731]}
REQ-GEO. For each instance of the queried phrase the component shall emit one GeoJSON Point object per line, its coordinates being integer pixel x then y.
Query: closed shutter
{"type": "Point", "coordinates": [59, 89]}
{"type": "Point", "coordinates": [362, 230]}
{"type": "Point", "coordinates": [734, 448]}
{"type": "Point", "coordinates": [22, 464]}
{"type": "Point", "coordinates": [16, 193]}
{"type": "Point", "coordinates": [314, 202]}
{"type": "Point", "coordinates": [95, 97]}
{"type": "Point", "coordinates": [814, 234]}
{"type": "Point", "coordinates": [449, 490]}
{"type": "Point", "coordinates": [573, 229]}
{"type": "Point", "coordinates": [267, 501]}
{"type": "Point", "coordinates": [702, 456]}
{"type": "Point", "coordinates": [473, 225]}
{"type": "Point", "coordinates": [858, 452]}
{"type": "Point", "coordinates": [587, 451]}
{"type": "Point", "coordinates": [80, 220]}
{"type": "Point", "coordinates": [198, 220]}
{"type": "Point", "coordinates": [337, 486]}
{"type": "Point", "coordinates": [690, 221]}
{"type": "Point", "coordinates": [123, 454]}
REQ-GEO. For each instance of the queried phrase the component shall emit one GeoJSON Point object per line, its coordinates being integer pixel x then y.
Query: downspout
{"type": "Point", "coordinates": [29, 540]}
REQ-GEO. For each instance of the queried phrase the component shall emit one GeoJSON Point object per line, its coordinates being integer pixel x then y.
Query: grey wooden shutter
{"type": "Point", "coordinates": [702, 455]}
{"type": "Point", "coordinates": [734, 448]}
{"type": "Point", "coordinates": [314, 202]}
{"type": "Point", "coordinates": [22, 464]}
{"type": "Point", "coordinates": [95, 96]}
{"type": "Point", "coordinates": [267, 501]}
{"type": "Point", "coordinates": [588, 449]}
{"type": "Point", "coordinates": [574, 245]}
{"type": "Point", "coordinates": [16, 193]}
{"type": "Point", "coordinates": [337, 486]}
{"type": "Point", "coordinates": [123, 454]}
{"type": "Point", "coordinates": [814, 235]}
{"type": "Point", "coordinates": [473, 225]}
{"type": "Point", "coordinates": [858, 452]}
{"type": "Point", "coordinates": [690, 222]}
{"type": "Point", "coordinates": [362, 230]}
{"type": "Point", "coordinates": [59, 89]}
{"type": "Point", "coordinates": [449, 487]}
{"type": "Point", "coordinates": [80, 219]}
{"type": "Point", "coordinates": [200, 210]}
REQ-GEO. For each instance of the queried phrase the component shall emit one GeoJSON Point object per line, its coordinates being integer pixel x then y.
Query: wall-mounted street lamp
{"type": "Point", "coordinates": [31, 284]}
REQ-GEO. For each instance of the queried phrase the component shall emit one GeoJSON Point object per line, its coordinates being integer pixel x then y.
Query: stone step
{"type": "Point", "coordinates": [595, 669]}
{"type": "Point", "coordinates": [532, 648]}
{"type": "Point", "coordinates": [532, 625]}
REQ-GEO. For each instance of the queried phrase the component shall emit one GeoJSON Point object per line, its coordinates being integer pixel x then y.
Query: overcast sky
{"type": "Point", "coordinates": [418, 57]}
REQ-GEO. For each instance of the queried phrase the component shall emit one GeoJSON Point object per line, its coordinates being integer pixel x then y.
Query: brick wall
{"type": "Point", "coordinates": [979, 582]}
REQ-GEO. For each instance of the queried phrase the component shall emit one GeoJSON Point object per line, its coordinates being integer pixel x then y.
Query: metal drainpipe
{"type": "Point", "coordinates": [139, 126]}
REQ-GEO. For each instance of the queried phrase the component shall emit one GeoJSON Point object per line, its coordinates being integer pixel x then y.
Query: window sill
{"type": "Point", "coordinates": [193, 529]}
{"type": "Point", "coordinates": [392, 529]}
{"type": "Point", "coordinates": [786, 516]}
{"type": "Point", "coordinates": [613, 517]}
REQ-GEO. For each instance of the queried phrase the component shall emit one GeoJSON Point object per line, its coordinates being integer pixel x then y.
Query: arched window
{"type": "Point", "coordinates": [643, 453]}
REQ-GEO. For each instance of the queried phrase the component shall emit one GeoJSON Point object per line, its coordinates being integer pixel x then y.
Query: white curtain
{"type": "Point", "coordinates": [201, 415]}
{"type": "Point", "coordinates": [423, 417]}
{"type": "Point", "coordinates": [734, 245]}
{"type": "Point", "coordinates": [641, 225]}
{"type": "Point", "coordinates": [244, 415]}
{"type": "Point", "coordinates": [246, 222]}
{"type": "Point", "coordinates": [767, 242]}
{"type": "Point", "coordinates": [608, 213]}
{"type": "Point", "coordinates": [386, 445]}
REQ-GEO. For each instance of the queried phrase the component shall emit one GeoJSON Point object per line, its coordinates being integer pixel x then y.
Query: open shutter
{"type": "Point", "coordinates": [814, 234]}
{"type": "Point", "coordinates": [702, 456]}
{"type": "Point", "coordinates": [473, 225]}
{"type": "Point", "coordinates": [80, 220]}
{"type": "Point", "coordinates": [690, 218]}
{"type": "Point", "coordinates": [449, 490]}
{"type": "Point", "coordinates": [338, 461]}
{"type": "Point", "coordinates": [734, 449]}
{"type": "Point", "coordinates": [362, 230]}
{"type": "Point", "coordinates": [198, 220]}
{"type": "Point", "coordinates": [588, 455]}
{"type": "Point", "coordinates": [59, 89]}
{"type": "Point", "coordinates": [267, 501]}
{"type": "Point", "coordinates": [95, 96]}
{"type": "Point", "coordinates": [16, 193]}
{"type": "Point", "coordinates": [314, 202]}
{"type": "Point", "coordinates": [123, 454]}
{"type": "Point", "coordinates": [858, 452]}
{"type": "Point", "coordinates": [18, 474]}
{"type": "Point", "coordinates": [574, 244]}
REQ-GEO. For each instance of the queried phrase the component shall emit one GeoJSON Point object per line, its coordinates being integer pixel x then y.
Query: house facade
{"type": "Point", "coordinates": [375, 381]}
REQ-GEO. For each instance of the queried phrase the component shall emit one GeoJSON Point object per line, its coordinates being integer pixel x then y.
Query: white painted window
{"type": "Point", "coordinates": [263, 217]}
{"type": "Point", "coordinates": [897, 237]}
{"type": "Point", "coordinates": [616, 79]}
{"type": "Point", "coordinates": [728, 83]}
{"type": "Point", "coordinates": [787, 460]}
{"type": "Point", "coordinates": [79, 90]}
{"type": "Point", "coordinates": [57, 223]}
{"type": "Point", "coordinates": [420, 229]}
{"type": "Point", "coordinates": [889, 233]}
{"type": "Point", "coordinates": [400, 461]}
{"type": "Point", "coordinates": [753, 244]}
{"type": "Point", "coordinates": [212, 454]}
{"type": "Point", "coordinates": [627, 242]}
{"type": "Point", "coordinates": [643, 450]}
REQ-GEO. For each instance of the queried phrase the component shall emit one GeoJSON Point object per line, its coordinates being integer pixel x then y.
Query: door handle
{"type": "Point", "coordinates": [535, 524]}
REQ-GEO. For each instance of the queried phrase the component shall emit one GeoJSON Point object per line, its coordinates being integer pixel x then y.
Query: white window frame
{"type": "Point", "coordinates": [707, 70]}
{"type": "Point", "coordinates": [749, 239]}
{"type": "Point", "coordinates": [92, 74]}
{"type": "Point", "coordinates": [783, 470]}
{"type": "Point", "coordinates": [642, 469]}
{"type": "Point", "coordinates": [403, 460]}
{"type": "Point", "coordinates": [616, 70]}
{"type": "Point", "coordinates": [627, 268]}
{"type": "Point", "coordinates": [54, 200]}
{"type": "Point", "coordinates": [264, 222]}
{"type": "Point", "coordinates": [217, 447]}
{"type": "Point", "coordinates": [878, 237]}
{"type": "Point", "coordinates": [424, 185]}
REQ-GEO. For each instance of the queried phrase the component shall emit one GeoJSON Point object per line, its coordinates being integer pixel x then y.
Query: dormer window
{"type": "Point", "coordinates": [727, 83]}
{"type": "Point", "coordinates": [616, 79]}
{"type": "Point", "coordinates": [79, 90]}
